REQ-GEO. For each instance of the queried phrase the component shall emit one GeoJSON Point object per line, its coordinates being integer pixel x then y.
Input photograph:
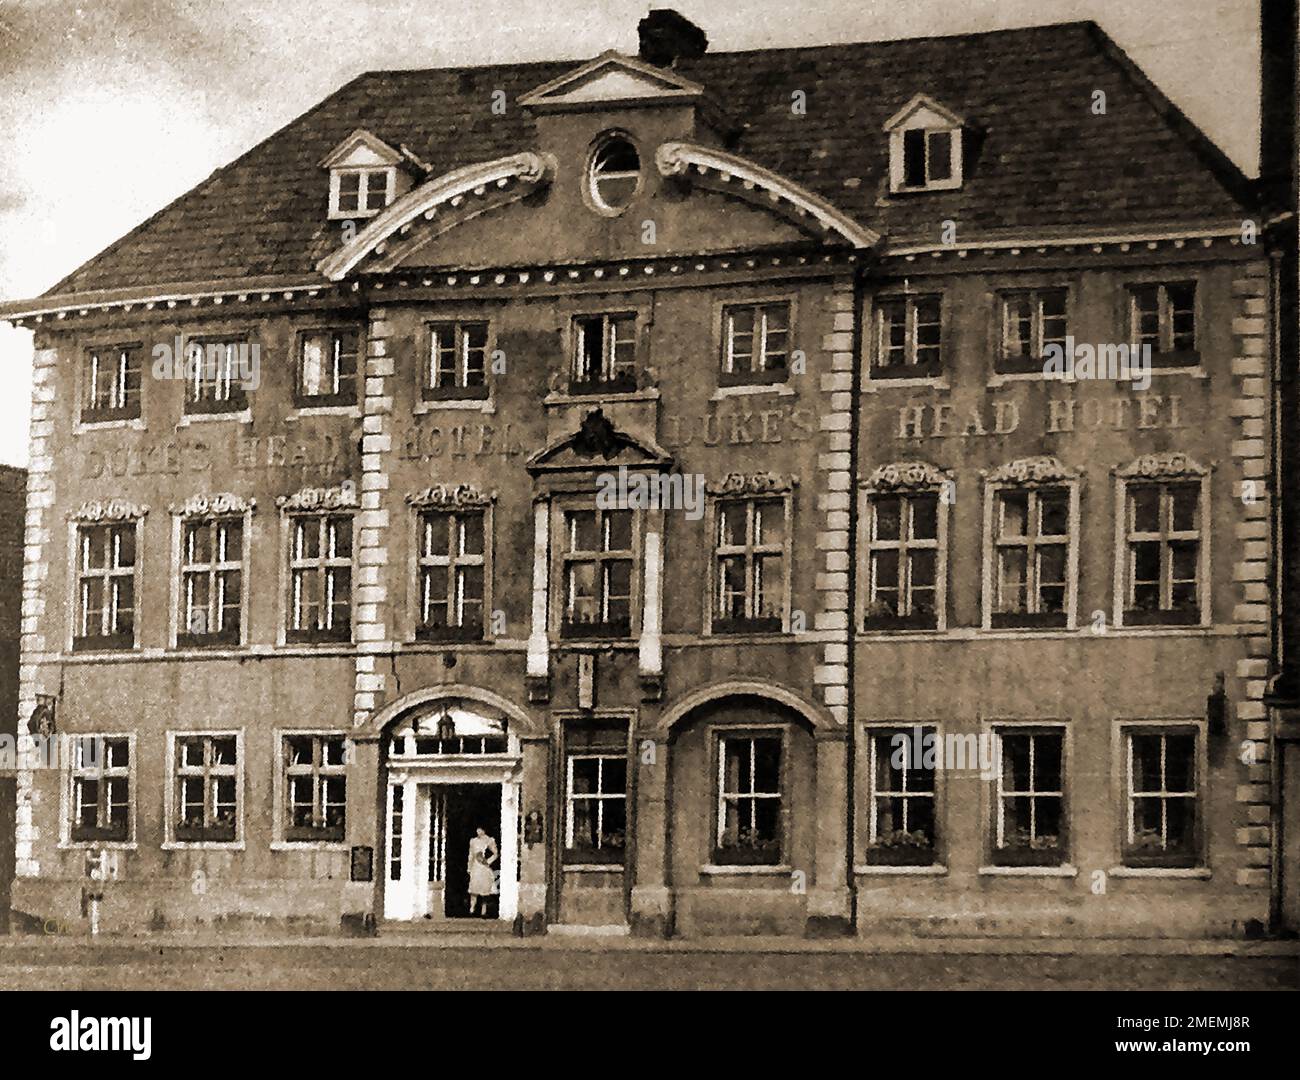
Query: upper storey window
{"type": "Point", "coordinates": [366, 174]}
{"type": "Point", "coordinates": [925, 147]}
{"type": "Point", "coordinates": [614, 175]}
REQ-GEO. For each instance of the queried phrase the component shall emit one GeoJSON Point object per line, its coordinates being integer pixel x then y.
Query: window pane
{"type": "Point", "coordinates": [940, 155]}
{"type": "Point", "coordinates": [925, 517]}
{"type": "Point", "coordinates": [619, 525]}
{"type": "Point", "coordinates": [888, 517]}
{"type": "Point", "coordinates": [1180, 762]}
{"type": "Point", "coordinates": [731, 523]}
{"type": "Point", "coordinates": [582, 530]}
{"type": "Point", "coordinates": [316, 366]}
{"type": "Point", "coordinates": [223, 750]}
{"type": "Point", "coordinates": [1015, 763]}
{"type": "Point", "coordinates": [435, 533]}
{"type": "Point", "coordinates": [1015, 513]}
{"type": "Point", "coordinates": [914, 157]}
{"type": "Point", "coordinates": [1054, 512]}
{"type": "Point", "coordinates": [767, 765]}
{"type": "Point", "coordinates": [1144, 509]}
{"type": "Point", "coordinates": [1186, 499]}
{"type": "Point", "coordinates": [769, 522]}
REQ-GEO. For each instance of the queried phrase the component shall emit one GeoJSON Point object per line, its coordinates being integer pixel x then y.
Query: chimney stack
{"type": "Point", "coordinates": [1277, 103]}
{"type": "Point", "coordinates": [667, 36]}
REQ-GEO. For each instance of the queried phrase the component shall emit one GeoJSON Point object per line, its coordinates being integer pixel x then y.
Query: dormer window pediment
{"type": "Point", "coordinates": [925, 147]}
{"type": "Point", "coordinates": [366, 175]}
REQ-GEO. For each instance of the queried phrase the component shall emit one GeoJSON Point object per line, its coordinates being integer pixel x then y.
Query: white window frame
{"type": "Point", "coordinates": [282, 819]}
{"type": "Point", "coordinates": [1164, 313]}
{"type": "Point", "coordinates": [322, 564]}
{"type": "Point", "coordinates": [898, 184]}
{"type": "Point", "coordinates": [560, 560]}
{"type": "Point", "coordinates": [433, 386]}
{"type": "Point", "coordinates": [591, 185]}
{"type": "Point", "coordinates": [1159, 470]}
{"type": "Point", "coordinates": [420, 562]}
{"type": "Point", "coordinates": [129, 413]}
{"type": "Point", "coordinates": [610, 340]}
{"type": "Point", "coordinates": [918, 478]}
{"type": "Point", "coordinates": [1033, 728]}
{"type": "Point", "coordinates": [170, 809]}
{"type": "Point", "coordinates": [68, 810]}
{"type": "Point", "coordinates": [872, 732]}
{"type": "Point", "coordinates": [713, 584]}
{"type": "Point", "coordinates": [335, 399]}
{"type": "Point", "coordinates": [365, 189]}
{"type": "Point", "coordinates": [180, 624]}
{"type": "Point", "coordinates": [1056, 477]}
{"type": "Point", "coordinates": [599, 797]}
{"type": "Point", "coordinates": [1123, 793]}
{"type": "Point", "coordinates": [763, 375]}
{"type": "Point", "coordinates": [876, 370]}
{"type": "Point", "coordinates": [75, 605]}
{"type": "Point", "coordinates": [1033, 363]}
{"type": "Point", "coordinates": [719, 735]}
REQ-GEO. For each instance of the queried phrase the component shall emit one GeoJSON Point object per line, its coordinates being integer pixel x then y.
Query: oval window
{"type": "Point", "coordinates": [615, 173]}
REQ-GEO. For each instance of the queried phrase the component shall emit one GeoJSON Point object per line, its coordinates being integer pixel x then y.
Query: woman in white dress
{"type": "Point", "coordinates": [482, 882]}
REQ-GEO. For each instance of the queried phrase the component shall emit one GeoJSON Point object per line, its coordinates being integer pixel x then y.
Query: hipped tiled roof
{"type": "Point", "coordinates": [1043, 160]}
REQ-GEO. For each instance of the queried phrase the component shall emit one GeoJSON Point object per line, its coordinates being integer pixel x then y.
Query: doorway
{"type": "Point", "coordinates": [466, 808]}
{"type": "Point", "coordinates": [430, 823]}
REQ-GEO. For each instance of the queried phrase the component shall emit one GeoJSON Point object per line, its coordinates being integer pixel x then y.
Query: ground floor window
{"type": "Point", "coordinates": [1029, 807]}
{"type": "Point", "coordinates": [101, 788]}
{"type": "Point", "coordinates": [902, 823]}
{"type": "Point", "coordinates": [749, 797]}
{"type": "Point", "coordinates": [595, 827]}
{"type": "Point", "coordinates": [1161, 796]}
{"type": "Point", "coordinates": [315, 784]}
{"type": "Point", "coordinates": [207, 788]}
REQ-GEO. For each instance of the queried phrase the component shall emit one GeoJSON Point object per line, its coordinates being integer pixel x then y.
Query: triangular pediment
{"type": "Point", "coordinates": [360, 150]}
{"type": "Point", "coordinates": [923, 112]}
{"type": "Point", "coordinates": [611, 79]}
{"type": "Point", "coordinates": [598, 445]}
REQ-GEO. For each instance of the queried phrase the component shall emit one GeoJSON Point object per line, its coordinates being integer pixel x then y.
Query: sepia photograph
{"type": "Point", "coordinates": [557, 496]}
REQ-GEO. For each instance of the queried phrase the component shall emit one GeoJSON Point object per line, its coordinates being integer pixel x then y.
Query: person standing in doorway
{"type": "Point", "coordinates": [482, 854]}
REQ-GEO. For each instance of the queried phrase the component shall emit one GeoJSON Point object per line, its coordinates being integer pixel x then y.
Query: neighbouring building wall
{"type": "Point", "coordinates": [13, 494]}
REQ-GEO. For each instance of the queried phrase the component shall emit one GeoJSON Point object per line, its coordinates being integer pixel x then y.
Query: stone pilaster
{"type": "Point", "coordinates": [1249, 472]}
{"type": "Point", "coordinates": [35, 676]}
{"type": "Point", "coordinates": [370, 598]}
{"type": "Point", "coordinates": [834, 487]}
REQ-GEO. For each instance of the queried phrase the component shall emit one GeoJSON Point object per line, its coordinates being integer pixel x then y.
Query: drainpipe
{"type": "Point", "coordinates": [855, 427]}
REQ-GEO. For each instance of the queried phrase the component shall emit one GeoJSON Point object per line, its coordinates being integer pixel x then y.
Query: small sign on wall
{"type": "Point", "coordinates": [363, 863]}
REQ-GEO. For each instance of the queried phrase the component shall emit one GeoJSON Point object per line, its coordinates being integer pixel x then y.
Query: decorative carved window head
{"type": "Point", "coordinates": [907, 476]}
{"type": "Point", "coordinates": [108, 510]}
{"type": "Point", "coordinates": [221, 504]}
{"type": "Point", "coordinates": [1043, 469]}
{"type": "Point", "coordinates": [342, 497]}
{"type": "Point", "coordinates": [742, 484]}
{"type": "Point", "coordinates": [451, 495]}
{"type": "Point", "coordinates": [1165, 466]}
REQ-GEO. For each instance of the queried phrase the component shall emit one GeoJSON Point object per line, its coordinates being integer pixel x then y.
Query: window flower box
{"type": "Point", "coordinates": [900, 848]}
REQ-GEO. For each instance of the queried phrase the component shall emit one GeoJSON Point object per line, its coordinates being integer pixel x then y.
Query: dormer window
{"type": "Point", "coordinates": [614, 174]}
{"type": "Point", "coordinates": [925, 147]}
{"type": "Point", "coordinates": [366, 174]}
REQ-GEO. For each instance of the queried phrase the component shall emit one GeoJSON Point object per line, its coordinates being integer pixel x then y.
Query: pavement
{"type": "Point", "coordinates": [583, 964]}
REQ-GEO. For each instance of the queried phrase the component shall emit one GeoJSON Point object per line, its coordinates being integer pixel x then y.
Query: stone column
{"type": "Point", "coordinates": [365, 810]}
{"type": "Point", "coordinates": [535, 852]}
{"type": "Point", "coordinates": [539, 659]}
{"type": "Point", "coordinates": [652, 901]}
{"type": "Point", "coordinates": [829, 907]}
